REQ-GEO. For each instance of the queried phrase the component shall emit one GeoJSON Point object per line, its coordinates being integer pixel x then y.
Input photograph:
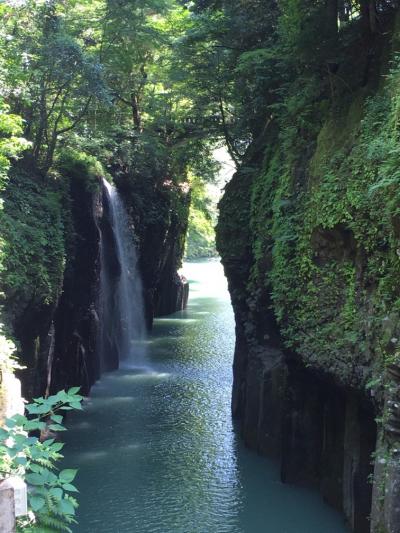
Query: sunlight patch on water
{"type": "Point", "coordinates": [131, 447]}
{"type": "Point", "coordinates": [174, 320]}
{"type": "Point", "coordinates": [161, 340]}
{"type": "Point", "coordinates": [147, 376]}
{"type": "Point", "coordinates": [122, 399]}
{"type": "Point", "coordinates": [80, 426]}
{"type": "Point", "coordinates": [94, 456]}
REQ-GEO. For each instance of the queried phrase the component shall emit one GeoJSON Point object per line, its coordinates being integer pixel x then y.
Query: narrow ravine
{"type": "Point", "coordinates": [156, 448]}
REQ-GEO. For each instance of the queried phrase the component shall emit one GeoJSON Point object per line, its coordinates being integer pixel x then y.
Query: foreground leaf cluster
{"type": "Point", "coordinates": [29, 450]}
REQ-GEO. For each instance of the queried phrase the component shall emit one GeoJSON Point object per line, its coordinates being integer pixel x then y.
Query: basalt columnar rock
{"type": "Point", "coordinates": [75, 359]}
{"type": "Point", "coordinates": [308, 235]}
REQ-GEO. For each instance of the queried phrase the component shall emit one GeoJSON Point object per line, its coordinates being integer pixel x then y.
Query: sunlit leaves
{"type": "Point", "coordinates": [35, 460]}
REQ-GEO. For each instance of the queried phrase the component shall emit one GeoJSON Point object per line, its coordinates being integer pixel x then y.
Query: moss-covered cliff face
{"type": "Point", "coordinates": [51, 249]}
{"type": "Point", "coordinates": [309, 237]}
{"type": "Point", "coordinates": [33, 267]}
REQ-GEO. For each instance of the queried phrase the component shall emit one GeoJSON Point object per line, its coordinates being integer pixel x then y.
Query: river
{"type": "Point", "coordinates": [156, 448]}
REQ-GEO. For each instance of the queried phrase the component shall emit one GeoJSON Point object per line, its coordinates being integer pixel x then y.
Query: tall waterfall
{"type": "Point", "coordinates": [122, 323]}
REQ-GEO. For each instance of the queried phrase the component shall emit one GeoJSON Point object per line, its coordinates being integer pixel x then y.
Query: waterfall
{"type": "Point", "coordinates": [122, 323]}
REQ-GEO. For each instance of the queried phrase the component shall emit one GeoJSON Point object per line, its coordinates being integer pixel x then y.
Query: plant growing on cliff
{"type": "Point", "coordinates": [33, 458]}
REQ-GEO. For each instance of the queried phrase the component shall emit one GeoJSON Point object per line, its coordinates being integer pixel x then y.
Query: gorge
{"type": "Point", "coordinates": [111, 113]}
{"type": "Point", "coordinates": [156, 444]}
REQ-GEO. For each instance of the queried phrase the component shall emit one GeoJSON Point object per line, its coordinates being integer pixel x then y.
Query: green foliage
{"type": "Point", "coordinates": [32, 255]}
{"type": "Point", "coordinates": [146, 96]}
{"type": "Point", "coordinates": [51, 501]}
{"type": "Point", "coordinates": [11, 141]}
{"type": "Point", "coordinates": [82, 166]}
{"type": "Point", "coordinates": [11, 145]}
{"type": "Point", "coordinates": [95, 99]}
{"type": "Point", "coordinates": [202, 219]}
{"type": "Point", "coordinates": [332, 232]}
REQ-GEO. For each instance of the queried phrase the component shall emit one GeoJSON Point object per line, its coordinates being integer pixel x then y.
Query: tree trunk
{"type": "Point", "coordinates": [37, 144]}
{"type": "Point", "coordinates": [332, 9]}
{"type": "Point", "coordinates": [136, 117]}
{"type": "Point", "coordinates": [50, 153]}
{"type": "Point", "coordinates": [368, 17]}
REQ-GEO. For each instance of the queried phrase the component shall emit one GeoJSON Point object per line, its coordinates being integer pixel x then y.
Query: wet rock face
{"type": "Point", "coordinates": [323, 436]}
{"type": "Point", "coordinates": [76, 319]}
{"type": "Point", "coordinates": [386, 500]}
{"type": "Point", "coordinates": [336, 244]}
{"type": "Point", "coordinates": [161, 253]}
{"type": "Point", "coordinates": [34, 331]}
{"type": "Point", "coordinates": [172, 296]}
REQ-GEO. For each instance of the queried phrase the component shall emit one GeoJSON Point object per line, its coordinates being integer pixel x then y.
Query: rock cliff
{"type": "Point", "coordinates": [309, 239]}
{"type": "Point", "coordinates": [51, 280]}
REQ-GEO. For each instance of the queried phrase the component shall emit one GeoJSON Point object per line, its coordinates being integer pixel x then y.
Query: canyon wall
{"type": "Point", "coordinates": [52, 272]}
{"type": "Point", "coordinates": [309, 238]}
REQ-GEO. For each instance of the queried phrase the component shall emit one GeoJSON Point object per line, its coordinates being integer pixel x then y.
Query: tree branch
{"type": "Point", "coordinates": [78, 118]}
{"type": "Point", "coordinates": [228, 139]}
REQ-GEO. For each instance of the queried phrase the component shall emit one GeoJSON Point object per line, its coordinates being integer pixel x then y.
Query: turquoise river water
{"type": "Point", "coordinates": [156, 448]}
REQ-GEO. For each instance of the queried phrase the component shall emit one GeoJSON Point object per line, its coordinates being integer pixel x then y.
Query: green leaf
{"type": "Point", "coordinates": [57, 418]}
{"type": "Point", "coordinates": [35, 479]}
{"type": "Point", "coordinates": [35, 468]}
{"type": "Point", "coordinates": [74, 390]}
{"type": "Point", "coordinates": [76, 405]}
{"type": "Point", "coordinates": [62, 396]}
{"type": "Point", "coordinates": [36, 502]}
{"type": "Point", "coordinates": [20, 419]}
{"type": "Point", "coordinates": [68, 475]}
{"type": "Point", "coordinates": [57, 493]}
{"type": "Point", "coordinates": [34, 409]}
{"type": "Point", "coordinates": [20, 439]}
{"type": "Point", "coordinates": [33, 425]}
{"type": "Point", "coordinates": [11, 452]}
{"type": "Point", "coordinates": [70, 488]}
{"type": "Point", "coordinates": [10, 422]}
{"type": "Point", "coordinates": [57, 427]}
{"type": "Point", "coordinates": [66, 507]}
{"type": "Point", "coordinates": [34, 452]}
{"type": "Point", "coordinates": [54, 398]}
{"type": "Point", "coordinates": [50, 478]}
{"type": "Point", "coordinates": [57, 446]}
{"type": "Point", "coordinates": [38, 400]}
